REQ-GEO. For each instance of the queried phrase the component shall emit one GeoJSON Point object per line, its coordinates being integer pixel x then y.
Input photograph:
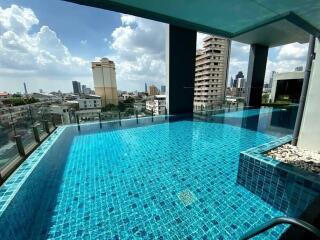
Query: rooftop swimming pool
{"type": "Point", "coordinates": [167, 179]}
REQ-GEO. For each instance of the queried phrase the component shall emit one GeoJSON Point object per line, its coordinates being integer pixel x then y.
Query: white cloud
{"type": "Point", "coordinates": [280, 59]}
{"type": "Point", "coordinates": [239, 56]}
{"type": "Point", "coordinates": [287, 58]}
{"type": "Point", "coordinates": [138, 46]}
{"type": "Point", "coordinates": [29, 57]}
{"type": "Point", "coordinates": [84, 42]}
{"type": "Point", "coordinates": [17, 19]}
{"type": "Point", "coordinates": [200, 38]}
{"type": "Point", "coordinates": [294, 51]}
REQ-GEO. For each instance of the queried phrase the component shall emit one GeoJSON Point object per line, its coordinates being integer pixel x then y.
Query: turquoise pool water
{"type": "Point", "coordinates": [250, 112]}
{"type": "Point", "coordinates": [166, 181]}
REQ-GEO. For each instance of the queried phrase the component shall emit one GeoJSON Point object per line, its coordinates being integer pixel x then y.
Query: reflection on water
{"type": "Point", "coordinates": [270, 120]}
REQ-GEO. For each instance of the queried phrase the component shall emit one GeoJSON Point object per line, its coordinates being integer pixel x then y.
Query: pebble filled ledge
{"type": "Point", "coordinates": [287, 153]}
{"type": "Point", "coordinates": [286, 187]}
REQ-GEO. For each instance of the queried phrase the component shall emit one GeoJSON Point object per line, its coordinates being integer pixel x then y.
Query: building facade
{"type": "Point", "coordinates": [163, 89]}
{"type": "Point", "coordinates": [104, 78]}
{"type": "Point", "coordinates": [76, 87]}
{"type": "Point", "coordinates": [153, 90]}
{"type": "Point", "coordinates": [157, 104]}
{"type": "Point", "coordinates": [89, 102]}
{"type": "Point", "coordinates": [211, 72]}
{"type": "Point", "coordinates": [286, 87]}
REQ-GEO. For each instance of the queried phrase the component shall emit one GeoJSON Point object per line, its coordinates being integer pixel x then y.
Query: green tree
{"type": "Point", "coordinates": [121, 106]}
{"type": "Point", "coordinates": [109, 107]}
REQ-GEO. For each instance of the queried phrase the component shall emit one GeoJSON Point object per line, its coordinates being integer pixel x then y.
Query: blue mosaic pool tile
{"type": "Point", "coordinates": [284, 186]}
{"type": "Point", "coordinates": [165, 181]}
{"type": "Point", "coordinates": [125, 184]}
{"type": "Point", "coordinates": [21, 192]}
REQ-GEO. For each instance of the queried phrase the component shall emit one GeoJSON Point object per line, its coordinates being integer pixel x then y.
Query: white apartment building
{"type": "Point", "coordinates": [89, 103]}
{"type": "Point", "coordinates": [211, 72]}
{"type": "Point", "coordinates": [104, 78]}
{"type": "Point", "coordinates": [156, 103]}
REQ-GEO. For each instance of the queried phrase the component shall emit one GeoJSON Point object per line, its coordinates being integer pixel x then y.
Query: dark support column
{"type": "Point", "coordinates": [181, 53]}
{"type": "Point", "coordinates": [256, 72]}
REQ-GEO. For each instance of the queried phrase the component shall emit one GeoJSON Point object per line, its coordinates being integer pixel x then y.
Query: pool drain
{"type": "Point", "coordinates": [186, 197]}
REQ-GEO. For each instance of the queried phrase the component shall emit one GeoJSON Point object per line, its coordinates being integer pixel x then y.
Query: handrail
{"type": "Point", "coordinates": [280, 220]}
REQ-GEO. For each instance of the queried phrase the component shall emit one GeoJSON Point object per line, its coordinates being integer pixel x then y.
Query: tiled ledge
{"type": "Point", "coordinates": [286, 187]}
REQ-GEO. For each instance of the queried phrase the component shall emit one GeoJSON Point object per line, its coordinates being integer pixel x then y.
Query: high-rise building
{"type": "Point", "coordinates": [145, 88]}
{"type": "Point", "coordinates": [83, 88]}
{"type": "Point", "coordinates": [76, 87]}
{"type": "Point", "coordinates": [163, 89]}
{"type": "Point", "coordinates": [104, 78]}
{"type": "Point", "coordinates": [211, 72]}
{"type": "Point", "coordinates": [25, 89]}
{"type": "Point", "coordinates": [241, 86]}
{"type": "Point", "coordinates": [153, 90]}
{"type": "Point", "coordinates": [236, 81]}
{"type": "Point", "coordinates": [231, 82]}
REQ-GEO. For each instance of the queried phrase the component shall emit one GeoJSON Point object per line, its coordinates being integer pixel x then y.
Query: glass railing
{"type": "Point", "coordinates": [22, 128]}
{"type": "Point", "coordinates": [8, 149]}
{"type": "Point", "coordinates": [221, 108]}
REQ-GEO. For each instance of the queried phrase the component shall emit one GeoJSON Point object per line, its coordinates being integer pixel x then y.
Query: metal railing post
{"type": "Point", "coordinates": [78, 122]}
{"type": "Point", "coordinates": [100, 120]}
{"type": "Point", "coordinates": [237, 105]}
{"type": "Point", "coordinates": [152, 114]}
{"type": "Point", "coordinates": [137, 117]}
{"type": "Point", "coordinates": [165, 113]}
{"type": "Point", "coordinates": [46, 126]}
{"type": "Point", "coordinates": [229, 107]}
{"type": "Point", "coordinates": [119, 118]}
{"type": "Point", "coordinates": [53, 121]}
{"type": "Point", "coordinates": [19, 145]}
{"type": "Point", "coordinates": [1, 179]}
{"type": "Point", "coordinates": [36, 133]}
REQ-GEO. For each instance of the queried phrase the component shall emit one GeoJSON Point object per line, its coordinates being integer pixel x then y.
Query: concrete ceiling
{"type": "Point", "coordinates": [267, 22]}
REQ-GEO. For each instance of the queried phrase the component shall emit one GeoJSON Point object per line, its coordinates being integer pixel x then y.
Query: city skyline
{"type": "Point", "coordinates": [136, 45]}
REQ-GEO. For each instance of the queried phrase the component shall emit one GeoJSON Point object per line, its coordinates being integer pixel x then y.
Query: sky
{"type": "Point", "coordinates": [48, 44]}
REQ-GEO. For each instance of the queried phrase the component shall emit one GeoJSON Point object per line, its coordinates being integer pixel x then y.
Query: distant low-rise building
{"type": "Point", "coordinates": [4, 95]}
{"type": "Point", "coordinates": [14, 114]}
{"type": "Point", "coordinates": [139, 106]}
{"type": "Point", "coordinates": [89, 102]}
{"type": "Point", "coordinates": [46, 97]}
{"type": "Point", "coordinates": [157, 104]}
{"type": "Point", "coordinates": [60, 113]}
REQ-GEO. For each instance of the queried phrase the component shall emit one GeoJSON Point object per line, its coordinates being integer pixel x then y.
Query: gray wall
{"type": "Point", "coordinates": [309, 137]}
